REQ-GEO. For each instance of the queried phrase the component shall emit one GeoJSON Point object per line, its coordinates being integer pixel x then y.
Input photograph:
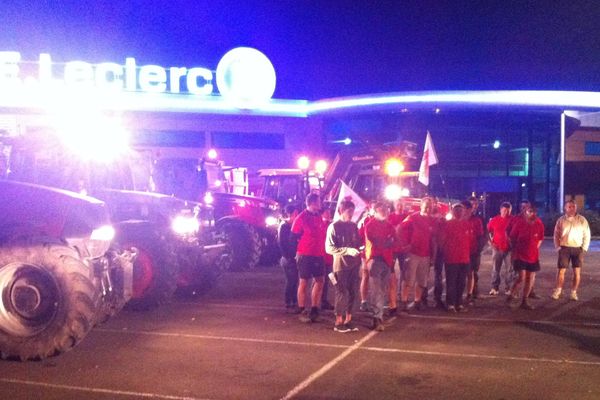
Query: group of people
{"type": "Point", "coordinates": [360, 259]}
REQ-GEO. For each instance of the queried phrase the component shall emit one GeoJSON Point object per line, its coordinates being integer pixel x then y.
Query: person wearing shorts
{"type": "Point", "coordinates": [526, 236]}
{"type": "Point", "coordinates": [572, 240]}
{"type": "Point", "coordinates": [310, 230]}
{"type": "Point", "coordinates": [418, 234]}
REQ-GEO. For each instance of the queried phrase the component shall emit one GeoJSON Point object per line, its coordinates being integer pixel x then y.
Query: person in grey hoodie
{"type": "Point", "coordinates": [343, 242]}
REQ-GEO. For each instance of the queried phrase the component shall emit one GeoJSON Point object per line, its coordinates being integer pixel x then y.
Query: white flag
{"type": "Point", "coordinates": [429, 159]}
{"type": "Point", "coordinates": [348, 194]}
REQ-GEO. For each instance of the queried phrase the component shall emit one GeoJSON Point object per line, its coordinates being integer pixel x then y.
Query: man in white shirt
{"type": "Point", "coordinates": [572, 240]}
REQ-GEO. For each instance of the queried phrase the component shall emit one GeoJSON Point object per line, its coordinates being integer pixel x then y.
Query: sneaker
{"type": "Point", "coordinates": [470, 299]}
{"type": "Point", "coordinates": [392, 312]}
{"type": "Point", "coordinates": [304, 317]}
{"type": "Point", "coordinates": [534, 295]}
{"type": "Point", "coordinates": [556, 294]}
{"type": "Point", "coordinates": [351, 327]}
{"type": "Point", "coordinates": [507, 292]}
{"type": "Point", "coordinates": [526, 306]}
{"type": "Point", "coordinates": [462, 308]}
{"type": "Point", "coordinates": [494, 292]}
{"type": "Point", "coordinates": [364, 306]}
{"type": "Point", "coordinates": [341, 328]}
{"type": "Point", "coordinates": [314, 315]}
{"type": "Point", "coordinates": [378, 325]}
{"type": "Point", "coordinates": [294, 310]}
{"type": "Point", "coordinates": [326, 306]}
{"type": "Point", "coordinates": [451, 309]}
{"type": "Point", "coordinates": [574, 296]}
{"type": "Point", "coordinates": [374, 323]}
{"type": "Point", "coordinates": [404, 307]}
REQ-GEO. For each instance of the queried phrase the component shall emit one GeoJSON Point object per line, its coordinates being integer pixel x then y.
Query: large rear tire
{"type": "Point", "coordinates": [244, 245]}
{"type": "Point", "coordinates": [155, 269]}
{"type": "Point", "coordinates": [48, 302]}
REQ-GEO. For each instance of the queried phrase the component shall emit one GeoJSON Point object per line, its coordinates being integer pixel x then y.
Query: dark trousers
{"type": "Point", "coordinates": [438, 280]}
{"type": "Point", "coordinates": [291, 280]}
{"type": "Point", "coordinates": [346, 290]}
{"type": "Point", "coordinates": [475, 263]}
{"type": "Point", "coordinates": [324, 299]}
{"type": "Point", "coordinates": [456, 280]}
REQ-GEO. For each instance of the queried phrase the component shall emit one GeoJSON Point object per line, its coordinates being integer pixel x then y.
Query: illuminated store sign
{"type": "Point", "coordinates": [243, 75]}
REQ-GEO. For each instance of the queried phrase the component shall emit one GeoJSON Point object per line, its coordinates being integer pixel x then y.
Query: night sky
{"type": "Point", "coordinates": [324, 49]}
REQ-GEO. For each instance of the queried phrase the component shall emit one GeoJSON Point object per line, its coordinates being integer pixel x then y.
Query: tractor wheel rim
{"type": "Point", "coordinates": [30, 299]}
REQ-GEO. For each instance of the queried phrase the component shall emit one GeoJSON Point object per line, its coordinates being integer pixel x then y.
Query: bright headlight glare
{"type": "Point", "coordinates": [448, 216]}
{"type": "Point", "coordinates": [270, 220]}
{"type": "Point", "coordinates": [393, 192]}
{"type": "Point", "coordinates": [208, 198]}
{"type": "Point", "coordinates": [393, 167]}
{"type": "Point", "coordinates": [105, 233]}
{"type": "Point", "coordinates": [185, 225]}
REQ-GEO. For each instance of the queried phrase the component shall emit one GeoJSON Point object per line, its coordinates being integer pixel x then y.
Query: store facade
{"type": "Point", "coordinates": [506, 145]}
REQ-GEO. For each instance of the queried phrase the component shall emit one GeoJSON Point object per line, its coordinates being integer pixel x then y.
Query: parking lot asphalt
{"type": "Point", "coordinates": [236, 342]}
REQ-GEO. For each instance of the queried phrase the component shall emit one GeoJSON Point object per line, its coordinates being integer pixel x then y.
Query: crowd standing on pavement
{"type": "Point", "coordinates": [360, 260]}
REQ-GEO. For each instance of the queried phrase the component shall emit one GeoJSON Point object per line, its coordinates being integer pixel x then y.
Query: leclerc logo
{"type": "Point", "coordinates": [244, 76]}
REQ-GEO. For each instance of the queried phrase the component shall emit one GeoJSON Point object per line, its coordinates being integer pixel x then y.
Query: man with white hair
{"type": "Point", "coordinates": [572, 240]}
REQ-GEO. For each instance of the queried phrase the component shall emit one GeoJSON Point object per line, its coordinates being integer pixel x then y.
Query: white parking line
{"type": "Point", "coordinates": [482, 356]}
{"type": "Point", "coordinates": [325, 368]}
{"type": "Point", "coordinates": [507, 320]}
{"type": "Point", "coordinates": [227, 338]}
{"type": "Point", "coordinates": [98, 390]}
{"type": "Point", "coordinates": [354, 347]}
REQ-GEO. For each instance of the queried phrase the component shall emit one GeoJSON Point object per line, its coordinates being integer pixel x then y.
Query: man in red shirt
{"type": "Point", "coordinates": [477, 237]}
{"type": "Point", "coordinates": [418, 234]}
{"type": "Point", "coordinates": [500, 249]}
{"type": "Point", "coordinates": [526, 236]}
{"type": "Point", "coordinates": [364, 273]}
{"type": "Point", "coordinates": [379, 253]}
{"type": "Point", "coordinates": [311, 230]}
{"type": "Point", "coordinates": [524, 206]}
{"type": "Point", "coordinates": [455, 243]}
{"type": "Point", "coordinates": [395, 219]}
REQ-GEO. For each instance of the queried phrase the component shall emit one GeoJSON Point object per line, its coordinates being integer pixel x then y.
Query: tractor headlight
{"type": "Point", "coordinates": [270, 221]}
{"type": "Point", "coordinates": [105, 233]}
{"type": "Point", "coordinates": [185, 225]}
{"type": "Point", "coordinates": [99, 241]}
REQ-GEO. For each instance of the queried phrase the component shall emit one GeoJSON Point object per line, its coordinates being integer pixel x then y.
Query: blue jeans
{"type": "Point", "coordinates": [379, 277]}
{"type": "Point", "coordinates": [508, 275]}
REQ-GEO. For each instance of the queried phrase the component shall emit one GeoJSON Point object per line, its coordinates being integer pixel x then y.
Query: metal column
{"type": "Point", "coordinates": [561, 182]}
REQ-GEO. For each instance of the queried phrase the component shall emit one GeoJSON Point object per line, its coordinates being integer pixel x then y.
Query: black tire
{"type": "Point", "coordinates": [155, 269]}
{"type": "Point", "coordinates": [244, 245]}
{"type": "Point", "coordinates": [48, 302]}
{"type": "Point", "coordinates": [270, 254]}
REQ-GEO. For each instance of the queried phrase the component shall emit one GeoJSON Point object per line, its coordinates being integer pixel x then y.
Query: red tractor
{"type": "Point", "coordinates": [373, 172]}
{"type": "Point", "coordinates": [249, 223]}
